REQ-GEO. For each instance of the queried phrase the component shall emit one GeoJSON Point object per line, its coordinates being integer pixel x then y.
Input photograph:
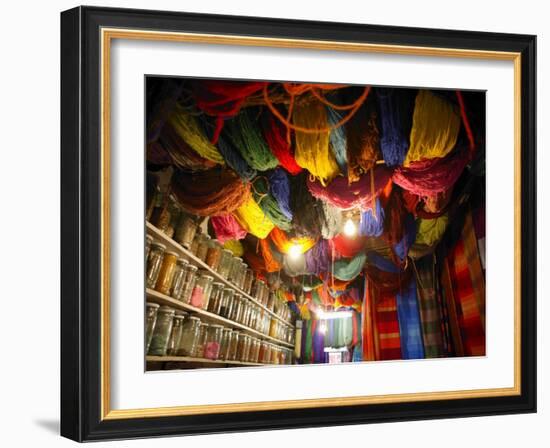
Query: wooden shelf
{"type": "Point", "coordinates": [162, 299]}
{"type": "Point", "coordinates": [199, 360]}
{"type": "Point", "coordinates": [173, 245]}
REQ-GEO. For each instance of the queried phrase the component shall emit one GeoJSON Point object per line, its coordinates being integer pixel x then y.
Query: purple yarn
{"type": "Point", "coordinates": [279, 187]}
{"type": "Point", "coordinates": [370, 225]}
{"type": "Point", "coordinates": [401, 249]}
{"type": "Point", "coordinates": [318, 258]}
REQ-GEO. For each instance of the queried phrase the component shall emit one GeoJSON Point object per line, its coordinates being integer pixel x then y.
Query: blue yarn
{"type": "Point", "coordinates": [235, 160]}
{"type": "Point", "coordinates": [401, 249]}
{"type": "Point", "coordinates": [370, 225]}
{"type": "Point", "coordinates": [394, 144]}
{"type": "Point", "coordinates": [279, 187]}
{"type": "Point", "coordinates": [410, 330]}
{"type": "Point", "coordinates": [338, 140]}
{"type": "Point", "coordinates": [378, 261]}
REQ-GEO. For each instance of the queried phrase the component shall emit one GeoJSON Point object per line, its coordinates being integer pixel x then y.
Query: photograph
{"type": "Point", "coordinates": [291, 223]}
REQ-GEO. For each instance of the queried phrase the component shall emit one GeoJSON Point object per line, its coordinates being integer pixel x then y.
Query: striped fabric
{"type": "Point", "coordinates": [367, 323]}
{"type": "Point", "coordinates": [431, 315]}
{"type": "Point", "coordinates": [387, 326]}
{"type": "Point", "coordinates": [410, 328]}
{"type": "Point", "coordinates": [469, 291]}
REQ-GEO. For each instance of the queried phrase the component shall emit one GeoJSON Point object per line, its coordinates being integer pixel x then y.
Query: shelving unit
{"type": "Point", "coordinates": [162, 299]}
{"type": "Point", "coordinates": [188, 359]}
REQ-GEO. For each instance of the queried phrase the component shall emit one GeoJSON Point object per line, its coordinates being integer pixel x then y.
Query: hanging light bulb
{"type": "Point", "coordinates": [350, 229]}
{"type": "Point", "coordinates": [294, 251]}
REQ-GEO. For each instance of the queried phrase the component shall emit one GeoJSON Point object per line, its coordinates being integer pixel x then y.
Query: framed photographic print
{"type": "Point", "coordinates": [276, 224]}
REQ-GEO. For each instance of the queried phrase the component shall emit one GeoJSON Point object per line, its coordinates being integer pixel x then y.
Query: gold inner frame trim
{"type": "Point", "coordinates": [107, 35]}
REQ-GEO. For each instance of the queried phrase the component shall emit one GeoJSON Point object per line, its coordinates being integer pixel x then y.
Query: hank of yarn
{"type": "Point", "coordinates": [371, 222]}
{"type": "Point", "coordinates": [349, 269]}
{"type": "Point", "coordinates": [275, 135]}
{"type": "Point", "coordinates": [338, 140]}
{"type": "Point", "coordinates": [251, 217]}
{"type": "Point", "coordinates": [226, 227]}
{"type": "Point", "coordinates": [268, 204]}
{"type": "Point", "coordinates": [279, 187]}
{"type": "Point", "coordinates": [234, 159]}
{"type": "Point", "coordinates": [430, 231]}
{"type": "Point", "coordinates": [235, 247]}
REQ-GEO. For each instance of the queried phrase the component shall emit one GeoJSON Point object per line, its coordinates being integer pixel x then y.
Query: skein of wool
{"type": "Point", "coordinates": [234, 159]}
{"type": "Point", "coordinates": [271, 263]}
{"type": "Point", "coordinates": [222, 99]}
{"type": "Point", "coordinates": [363, 140]}
{"type": "Point", "coordinates": [344, 247]}
{"type": "Point", "coordinates": [235, 247]}
{"type": "Point", "coordinates": [213, 192]}
{"type": "Point", "coordinates": [359, 194]}
{"type": "Point", "coordinates": [181, 153]}
{"type": "Point", "coordinates": [371, 222]}
{"type": "Point", "coordinates": [318, 258]}
{"type": "Point", "coordinates": [279, 187]}
{"type": "Point", "coordinates": [244, 132]}
{"type": "Point", "coordinates": [396, 111]}
{"type": "Point", "coordinates": [275, 135]}
{"type": "Point", "coordinates": [349, 269]}
{"type": "Point", "coordinates": [226, 228]}
{"type": "Point", "coordinates": [189, 129]}
{"type": "Point", "coordinates": [338, 140]}
{"type": "Point", "coordinates": [436, 123]}
{"type": "Point", "coordinates": [268, 204]}
{"type": "Point", "coordinates": [430, 231]}
{"type": "Point", "coordinates": [253, 220]}
{"type": "Point", "coordinates": [312, 149]}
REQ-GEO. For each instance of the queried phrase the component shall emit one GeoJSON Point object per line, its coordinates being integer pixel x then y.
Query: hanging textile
{"type": "Point", "coordinates": [430, 314]}
{"type": "Point", "coordinates": [338, 140]}
{"type": "Point", "coordinates": [226, 227]}
{"type": "Point", "coordinates": [387, 325]}
{"type": "Point", "coordinates": [348, 270]}
{"type": "Point", "coordinates": [271, 263]}
{"type": "Point", "coordinates": [244, 132]}
{"type": "Point", "coordinates": [360, 194]}
{"type": "Point", "coordinates": [363, 140]}
{"type": "Point", "coordinates": [312, 149]}
{"type": "Point", "coordinates": [396, 112]}
{"type": "Point", "coordinates": [305, 213]}
{"type": "Point", "coordinates": [410, 330]}
{"type": "Point", "coordinates": [346, 247]}
{"type": "Point", "coordinates": [436, 123]}
{"type": "Point", "coordinates": [235, 247]}
{"type": "Point", "coordinates": [234, 160]}
{"type": "Point", "coordinates": [431, 176]}
{"type": "Point", "coordinates": [371, 222]}
{"type": "Point", "coordinates": [275, 135]}
{"type": "Point", "coordinates": [212, 192]}
{"type": "Point", "coordinates": [251, 217]}
{"type": "Point", "coordinates": [430, 231]}
{"type": "Point", "coordinates": [222, 99]}
{"type": "Point", "coordinates": [268, 204]}
{"type": "Point", "coordinates": [368, 324]}
{"type": "Point", "coordinates": [318, 343]}
{"type": "Point", "coordinates": [318, 258]}
{"type": "Point", "coordinates": [279, 187]}
{"type": "Point", "coordinates": [308, 342]}
{"type": "Point", "coordinates": [395, 218]}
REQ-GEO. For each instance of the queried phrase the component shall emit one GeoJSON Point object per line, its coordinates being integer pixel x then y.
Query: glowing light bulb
{"type": "Point", "coordinates": [294, 251]}
{"type": "Point", "coordinates": [350, 229]}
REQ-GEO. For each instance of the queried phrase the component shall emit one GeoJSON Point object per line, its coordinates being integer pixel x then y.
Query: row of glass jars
{"type": "Point", "coordinates": [176, 333]}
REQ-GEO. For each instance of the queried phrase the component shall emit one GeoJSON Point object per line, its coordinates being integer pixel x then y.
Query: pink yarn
{"type": "Point", "coordinates": [359, 194]}
{"type": "Point", "coordinates": [430, 176]}
{"type": "Point", "coordinates": [226, 227]}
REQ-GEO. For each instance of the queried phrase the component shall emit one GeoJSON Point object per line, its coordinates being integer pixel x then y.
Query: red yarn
{"type": "Point", "coordinates": [346, 247]}
{"type": "Point", "coordinates": [275, 135]}
{"type": "Point", "coordinates": [222, 99]}
{"type": "Point", "coordinates": [226, 227]}
{"type": "Point", "coordinates": [465, 121]}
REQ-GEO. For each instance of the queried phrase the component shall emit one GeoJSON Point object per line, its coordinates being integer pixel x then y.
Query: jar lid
{"type": "Point", "coordinates": [208, 237]}
{"type": "Point", "coordinates": [182, 261]}
{"type": "Point", "coordinates": [194, 318]}
{"type": "Point", "coordinates": [148, 238]}
{"type": "Point", "coordinates": [171, 252]}
{"type": "Point", "coordinates": [159, 245]}
{"type": "Point", "coordinates": [167, 309]}
{"type": "Point", "coordinates": [205, 275]}
{"type": "Point", "coordinates": [216, 326]}
{"type": "Point", "coordinates": [227, 251]}
{"type": "Point", "coordinates": [218, 284]}
{"type": "Point", "coordinates": [152, 305]}
{"type": "Point", "coordinates": [181, 313]}
{"type": "Point", "coordinates": [192, 267]}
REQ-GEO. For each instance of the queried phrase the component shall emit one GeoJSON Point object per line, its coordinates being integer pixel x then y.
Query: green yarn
{"type": "Point", "coordinates": [348, 270]}
{"type": "Point", "coordinates": [268, 204]}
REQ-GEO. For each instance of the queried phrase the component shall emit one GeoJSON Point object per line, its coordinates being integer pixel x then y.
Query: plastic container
{"type": "Point", "coordinates": [150, 320]}
{"type": "Point", "coordinates": [154, 261]}
{"type": "Point", "coordinates": [175, 335]}
{"type": "Point", "coordinates": [189, 336]}
{"type": "Point", "coordinates": [213, 342]}
{"type": "Point", "coordinates": [201, 292]}
{"type": "Point", "coordinates": [166, 273]}
{"type": "Point", "coordinates": [161, 334]}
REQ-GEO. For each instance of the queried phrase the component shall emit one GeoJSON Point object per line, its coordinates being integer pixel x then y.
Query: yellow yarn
{"type": "Point", "coordinates": [234, 246]}
{"type": "Point", "coordinates": [312, 149]}
{"type": "Point", "coordinates": [253, 220]}
{"type": "Point", "coordinates": [188, 128]}
{"type": "Point", "coordinates": [430, 231]}
{"type": "Point", "coordinates": [435, 127]}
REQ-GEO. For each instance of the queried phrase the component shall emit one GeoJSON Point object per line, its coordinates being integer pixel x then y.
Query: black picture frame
{"type": "Point", "coordinates": [81, 224]}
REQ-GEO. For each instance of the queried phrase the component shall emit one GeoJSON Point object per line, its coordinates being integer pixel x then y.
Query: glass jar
{"type": "Point", "coordinates": [196, 240]}
{"type": "Point", "coordinates": [273, 328]}
{"type": "Point", "coordinates": [236, 312]}
{"type": "Point", "coordinates": [233, 345]}
{"type": "Point", "coordinates": [213, 342]}
{"type": "Point", "coordinates": [242, 275]}
{"type": "Point", "coordinates": [245, 315]}
{"type": "Point", "coordinates": [151, 310]}
{"type": "Point", "coordinates": [175, 336]}
{"type": "Point", "coordinates": [226, 303]}
{"type": "Point", "coordinates": [243, 347]}
{"type": "Point", "coordinates": [148, 242]}
{"type": "Point", "coordinates": [166, 273]}
{"type": "Point", "coordinates": [161, 334]}
{"type": "Point", "coordinates": [213, 255]}
{"type": "Point", "coordinates": [235, 270]}
{"type": "Point", "coordinates": [275, 354]}
{"type": "Point", "coordinates": [261, 352]}
{"type": "Point", "coordinates": [201, 292]}
{"type": "Point", "coordinates": [189, 336]}
{"type": "Point", "coordinates": [175, 212]}
{"type": "Point", "coordinates": [271, 301]}
{"type": "Point", "coordinates": [202, 249]}
{"type": "Point", "coordinates": [189, 283]}
{"type": "Point", "coordinates": [216, 296]}
{"type": "Point", "coordinates": [186, 230]}
{"type": "Point", "coordinates": [160, 217]}
{"type": "Point", "coordinates": [254, 350]}
{"type": "Point", "coordinates": [201, 340]}
{"type": "Point", "coordinates": [226, 260]}
{"type": "Point", "coordinates": [154, 261]}
{"type": "Point", "coordinates": [267, 354]}
{"type": "Point", "coordinates": [178, 282]}
{"type": "Point", "coordinates": [253, 321]}
{"type": "Point", "coordinates": [226, 338]}
{"type": "Point", "coordinates": [248, 279]}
